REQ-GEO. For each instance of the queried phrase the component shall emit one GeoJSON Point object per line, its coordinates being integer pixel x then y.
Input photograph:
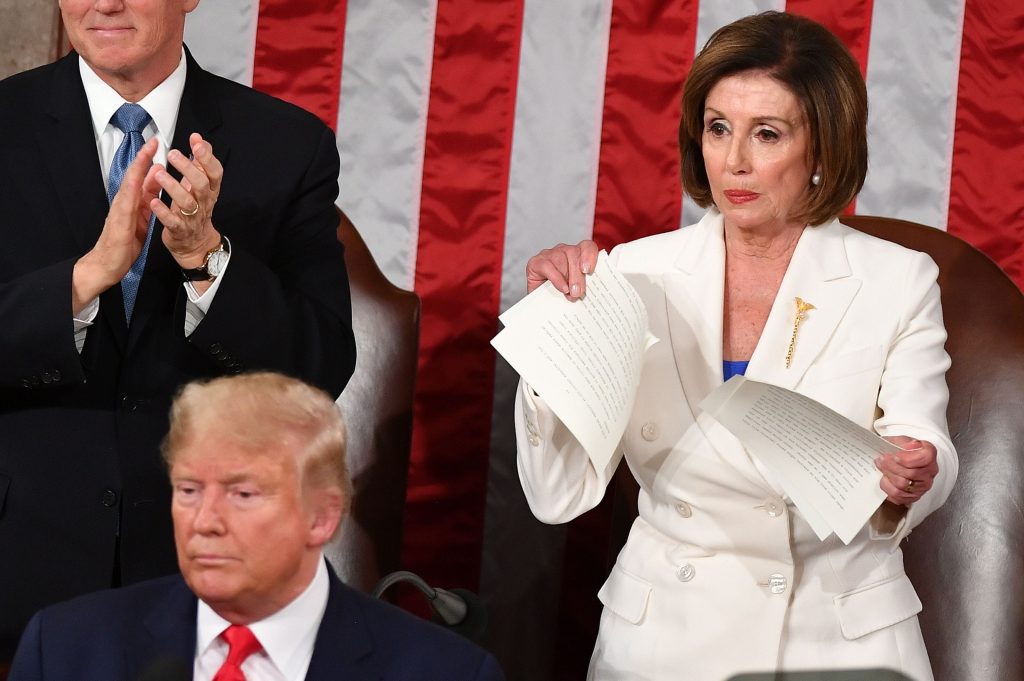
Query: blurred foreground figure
{"type": "Point", "coordinates": [257, 466]}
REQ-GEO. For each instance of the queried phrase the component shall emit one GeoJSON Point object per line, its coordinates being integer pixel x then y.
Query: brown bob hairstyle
{"type": "Point", "coordinates": [805, 57]}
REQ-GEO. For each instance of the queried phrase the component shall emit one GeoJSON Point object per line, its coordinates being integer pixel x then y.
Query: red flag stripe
{"type": "Point", "coordinates": [298, 53]}
{"type": "Point", "coordinates": [986, 203]}
{"type": "Point", "coordinates": [458, 277]}
{"type": "Point", "coordinates": [639, 192]}
{"type": "Point", "coordinates": [650, 49]}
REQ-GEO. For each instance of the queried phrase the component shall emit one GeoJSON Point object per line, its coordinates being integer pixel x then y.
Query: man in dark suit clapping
{"type": "Point", "coordinates": [159, 224]}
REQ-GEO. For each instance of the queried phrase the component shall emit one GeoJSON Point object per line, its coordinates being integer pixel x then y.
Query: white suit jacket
{"type": "Point", "coordinates": [721, 574]}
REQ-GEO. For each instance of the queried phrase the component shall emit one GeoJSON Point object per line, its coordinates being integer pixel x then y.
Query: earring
{"type": "Point", "coordinates": [816, 179]}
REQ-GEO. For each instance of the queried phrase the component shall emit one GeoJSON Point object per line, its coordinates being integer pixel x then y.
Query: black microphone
{"type": "Point", "coordinates": [460, 610]}
{"type": "Point", "coordinates": [166, 669]}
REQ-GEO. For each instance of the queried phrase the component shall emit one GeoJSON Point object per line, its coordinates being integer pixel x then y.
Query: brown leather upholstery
{"type": "Point", "coordinates": [967, 559]}
{"type": "Point", "coordinates": [378, 413]}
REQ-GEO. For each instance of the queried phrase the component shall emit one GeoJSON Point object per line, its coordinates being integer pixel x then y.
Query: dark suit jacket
{"type": "Point", "coordinates": [122, 634]}
{"type": "Point", "coordinates": [79, 434]}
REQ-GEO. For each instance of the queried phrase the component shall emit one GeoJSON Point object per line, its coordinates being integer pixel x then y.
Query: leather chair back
{"type": "Point", "coordinates": [377, 404]}
{"type": "Point", "coordinates": [967, 559]}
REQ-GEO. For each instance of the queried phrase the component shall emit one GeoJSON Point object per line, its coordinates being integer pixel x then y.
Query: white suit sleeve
{"type": "Point", "coordinates": [558, 478]}
{"type": "Point", "coordinates": [913, 395]}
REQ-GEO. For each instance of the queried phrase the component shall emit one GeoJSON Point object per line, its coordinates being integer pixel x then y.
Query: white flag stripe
{"type": "Point", "coordinates": [385, 90]}
{"type": "Point", "coordinates": [557, 132]}
{"type": "Point", "coordinates": [222, 37]}
{"type": "Point", "coordinates": [711, 16]}
{"type": "Point", "coordinates": [912, 75]}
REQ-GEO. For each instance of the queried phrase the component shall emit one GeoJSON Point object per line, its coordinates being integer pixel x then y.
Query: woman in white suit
{"type": "Point", "coordinates": [721, 574]}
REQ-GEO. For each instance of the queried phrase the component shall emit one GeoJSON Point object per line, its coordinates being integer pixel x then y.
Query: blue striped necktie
{"type": "Point", "coordinates": [130, 119]}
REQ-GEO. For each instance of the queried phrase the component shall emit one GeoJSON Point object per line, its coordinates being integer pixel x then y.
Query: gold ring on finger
{"type": "Point", "coordinates": [910, 486]}
{"type": "Point", "coordinates": [189, 213]}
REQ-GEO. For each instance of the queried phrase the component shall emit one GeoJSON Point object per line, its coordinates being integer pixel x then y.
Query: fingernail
{"type": "Point", "coordinates": [585, 267]}
{"type": "Point", "coordinates": [575, 290]}
{"type": "Point", "coordinates": [878, 461]}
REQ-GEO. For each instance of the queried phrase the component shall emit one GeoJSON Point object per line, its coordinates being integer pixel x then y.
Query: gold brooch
{"type": "Point", "coordinates": [802, 308]}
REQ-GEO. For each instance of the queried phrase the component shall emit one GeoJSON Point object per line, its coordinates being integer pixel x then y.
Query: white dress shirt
{"type": "Point", "coordinates": [162, 106]}
{"type": "Point", "coordinates": [287, 637]}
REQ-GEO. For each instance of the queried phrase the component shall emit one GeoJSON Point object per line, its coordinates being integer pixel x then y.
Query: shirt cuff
{"type": "Point", "coordinates": [87, 316]}
{"type": "Point", "coordinates": [197, 305]}
{"type": "Point", "coordinates": [83, 320]}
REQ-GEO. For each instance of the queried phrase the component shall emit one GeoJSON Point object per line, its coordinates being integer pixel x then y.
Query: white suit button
{"type": "Point", "coordinates": [685, 572]}
{"type": "Point", "coordinates": [649, 431]}
{"type": "Point", "coordinates": [534, 440]}
{"type": "Point", "coordinates": [684, 509]}
{"type": "Point", "coordinates": [773, 507]}
{"type": "Point", "coordinates": [776, 583]}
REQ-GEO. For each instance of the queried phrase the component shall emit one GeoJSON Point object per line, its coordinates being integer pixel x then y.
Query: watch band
{"type": "Point", "coordinates": [202, 273]}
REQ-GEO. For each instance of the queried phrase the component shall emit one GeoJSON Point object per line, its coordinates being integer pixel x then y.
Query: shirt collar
{"type": "Point", "coordinates": [161, 103]}
{"type": "Point", "coordinates": [287, 636]}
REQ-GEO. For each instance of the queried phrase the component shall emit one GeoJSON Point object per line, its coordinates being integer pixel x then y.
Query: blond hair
{"type": "Point", "coordinates": [265, 411]}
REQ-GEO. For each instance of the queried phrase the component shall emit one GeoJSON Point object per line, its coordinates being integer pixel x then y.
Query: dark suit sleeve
{"type": "Point", "coordinates": [28, 660]}
{"type": "Point", "coordinates": [489, 670]}
{"type": "Point", "coordinates": [38, 343]}
{"type": "Point", "coordinates": [291, 311]}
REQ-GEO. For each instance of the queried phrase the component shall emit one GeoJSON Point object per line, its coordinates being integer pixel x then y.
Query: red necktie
{"type": "Point", "coordinates": [241, 644]}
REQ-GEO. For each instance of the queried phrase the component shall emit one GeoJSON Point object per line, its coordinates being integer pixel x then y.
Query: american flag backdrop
{"type": "Point", "coordinates": [473, 133]}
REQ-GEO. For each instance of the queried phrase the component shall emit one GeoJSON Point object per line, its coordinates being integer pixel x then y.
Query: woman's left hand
{"type": "Point", "coordinates": [907, 475]}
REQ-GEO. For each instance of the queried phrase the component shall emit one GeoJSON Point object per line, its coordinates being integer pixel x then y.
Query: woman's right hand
{"type": "Point", "coordinates": [564, 266]}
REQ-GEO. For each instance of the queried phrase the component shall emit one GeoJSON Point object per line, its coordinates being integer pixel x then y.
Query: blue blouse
{"type": "Point", "coordinates": [730, 369]}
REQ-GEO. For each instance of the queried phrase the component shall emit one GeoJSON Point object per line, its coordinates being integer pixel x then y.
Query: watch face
{"type": "Point", "coordinates": [215, 265]}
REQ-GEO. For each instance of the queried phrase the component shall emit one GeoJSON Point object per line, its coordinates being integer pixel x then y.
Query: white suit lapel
{"type": "Point", "coordinates": [819, 274]}
{"type": "Point", "coordinates": [694, 296]}
{"type": "Point", "coordinates": [694, 293]}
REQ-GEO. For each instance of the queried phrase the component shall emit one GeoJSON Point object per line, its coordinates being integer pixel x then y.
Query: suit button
{"type": "Point", "coordinates": [47, 377]}
{"type": "Point", "coordinates": [684, 509]}
{"type": "Point", "coordinates": [649, 431]}
{"type": "Point", "coordinates": [25, 383]}
{"type": "Point", "coordinates": [33, 381]}
{"type": "Point", "coordinates": [56, 375]}
{"type": "Point", "coordinates": [773, 507]}
{"type": "Point", "coordinates": [108, 498]}
{"type": "Point", "coordinates": [215, 348]}
{"type": "Point", "coordinates": [534, 440]}
{"type": "Point", "coordinates": [685, 572]}
{"type": "Point", "coordinates": [128, 404]}
{"type": "Point", "coordinates": [776, 583]}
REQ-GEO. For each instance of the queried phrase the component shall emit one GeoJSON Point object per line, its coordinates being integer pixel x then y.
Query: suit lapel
{"type": "Point", "coordinates": [168, 631]}
{"type": "Point", "coordinates": [344, 645]}
{"type": "Point", "coordinates": [199, 112]}
{"type": "Point", "coordinates": [819, 274]}
{"type": "Point", "coordinates": [68, 145]}
{"type": "Point", "coordinates": [694, 293]}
